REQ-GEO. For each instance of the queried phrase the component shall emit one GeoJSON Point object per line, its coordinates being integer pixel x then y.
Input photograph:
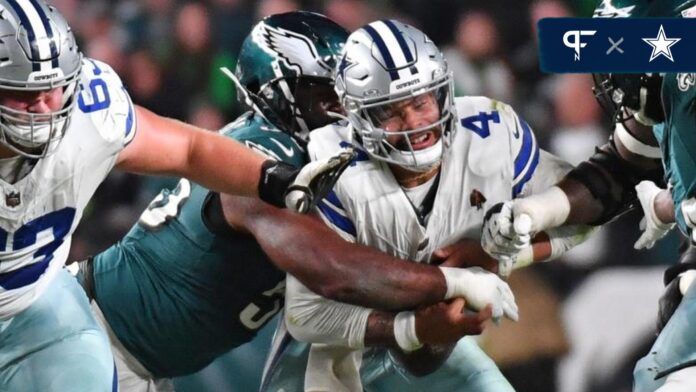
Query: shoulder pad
{"type": "Point", "coordinates": [266, 139]}
{"type": "Point", "coordinates": [495, 130]}
{"type": "Point", "coordinates": [104, 100]}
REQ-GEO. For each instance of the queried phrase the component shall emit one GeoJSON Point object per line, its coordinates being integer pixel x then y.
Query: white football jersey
{"type": "Point", "coordinates": [493, 157]}
{"type": "Point", "coordinates": [39, 213]}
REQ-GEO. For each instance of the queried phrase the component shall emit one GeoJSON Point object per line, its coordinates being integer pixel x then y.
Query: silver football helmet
{"type": "Point", "coordinates": [389, 68]}
{"type": "Point", "coordinates": [37, 52]}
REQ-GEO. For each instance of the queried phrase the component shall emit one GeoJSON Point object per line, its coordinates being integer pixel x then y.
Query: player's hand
{"type": "Point", "coordinates": [447, 322]}
{"type": "Point", "coordinates": [653, 229]}
{"type": "Point", "coordinates": [315, 180]}
{"type": "Point", "coordinates": [688, 208]}
{"type": "Point", "coordinates": [672, 297]}
{"type": "Point", "coordinates": [504, 235]}
{"type": "Point", "coordinates": [481, 288]}
{"type": "Point", "coordinates": [464, 253]}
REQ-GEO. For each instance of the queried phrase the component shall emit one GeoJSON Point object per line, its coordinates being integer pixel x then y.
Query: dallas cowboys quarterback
{"type": "Point", "coordinates": [65, 121]}
{"type": "Point", "coordinates": [187, 284]}
{"type": "Point", "coordinates": [424, 156]}
{"type": "Point", "coordinates": [654, 118]}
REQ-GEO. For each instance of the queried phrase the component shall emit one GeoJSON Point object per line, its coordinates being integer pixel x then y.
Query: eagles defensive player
{"type": "Point", "coordinates": [429, 165]}
{"type": "Point", "coordinates": [65, 121]}
{"type": "Point", "coordinates": [187, 284]}
{"type": "Point", "coordinates": [654, 128]}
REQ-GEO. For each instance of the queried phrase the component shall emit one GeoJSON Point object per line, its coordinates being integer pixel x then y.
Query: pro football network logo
{"type": "Point", "coordinates": [576, 43]}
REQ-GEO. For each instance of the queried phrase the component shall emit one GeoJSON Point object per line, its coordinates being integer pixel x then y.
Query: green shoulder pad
{"type": "Point", "coordinates": [266, 139]}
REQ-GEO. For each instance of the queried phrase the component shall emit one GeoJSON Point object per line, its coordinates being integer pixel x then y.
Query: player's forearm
{"type": "Point", "coordinates": [340, 270]}
{"type": "Point", "coordinates": [222, 164]}
{"type": "Point", "coordinates": [167, 146]}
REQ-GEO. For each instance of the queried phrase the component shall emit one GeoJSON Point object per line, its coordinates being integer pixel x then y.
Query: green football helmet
{"type": "Point", "coordinates": [638, 92]}
{"type": "Point", "coordinates": [286, 69]}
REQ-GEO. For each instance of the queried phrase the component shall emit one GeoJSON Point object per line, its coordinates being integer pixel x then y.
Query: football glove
{"type": "Point", "coordinates": [479, 288]}
{"type": "Point", "coordinates": [504, 239]}
{"type": "Point", "coordinates": [653, 228]}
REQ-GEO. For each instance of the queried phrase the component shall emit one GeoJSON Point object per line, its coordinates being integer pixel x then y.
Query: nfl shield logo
{"type": "Point", "coordinates": [13, 199]}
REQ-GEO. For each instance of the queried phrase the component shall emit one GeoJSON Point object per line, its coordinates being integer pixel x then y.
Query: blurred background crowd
{"type": "Point", "coordinates": [585, 319]}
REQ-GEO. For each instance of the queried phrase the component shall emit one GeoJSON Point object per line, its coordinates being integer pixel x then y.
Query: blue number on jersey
{"type": "Point", "coordinates": [99, 93]}
{"type": "Point", "coordinates": [482, 130]}
{"type": "Point", "coordinates": [59, 222]}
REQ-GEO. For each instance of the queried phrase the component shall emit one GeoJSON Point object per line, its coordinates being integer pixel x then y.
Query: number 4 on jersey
{"type": "Point", "coordinates": [479, 123]}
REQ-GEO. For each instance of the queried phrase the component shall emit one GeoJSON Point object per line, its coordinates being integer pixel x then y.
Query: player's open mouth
{"type": "Point", "coordinates": [422, 140]}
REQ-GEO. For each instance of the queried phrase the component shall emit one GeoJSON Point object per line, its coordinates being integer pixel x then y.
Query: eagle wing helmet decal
{"type": "Point", "coordinates": [295, 50]}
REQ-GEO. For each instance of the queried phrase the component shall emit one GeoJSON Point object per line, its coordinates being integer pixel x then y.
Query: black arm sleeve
{"type": "Point", "coordinates": [612, 180]}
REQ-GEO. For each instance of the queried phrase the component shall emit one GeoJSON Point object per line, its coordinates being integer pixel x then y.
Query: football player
{"type": "Point", "coordinates": [188, 284]}
{"type": "Point", "coordinates": [654, 118]}
{"type": "Point", "coordinates": [65, 121]}
{"type": "Point", "coordinates": [429, 165]}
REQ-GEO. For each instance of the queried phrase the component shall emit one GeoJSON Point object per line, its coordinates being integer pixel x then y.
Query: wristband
{"type": "Point", "coordinates": [405, 331]}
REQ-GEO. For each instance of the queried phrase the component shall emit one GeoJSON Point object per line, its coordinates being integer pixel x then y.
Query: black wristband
{"type": "Point", "coordinates": [275, 179]}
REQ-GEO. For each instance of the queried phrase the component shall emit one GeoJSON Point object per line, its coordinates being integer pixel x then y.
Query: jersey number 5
{"type": "Point", "coordinates": [258, 312]}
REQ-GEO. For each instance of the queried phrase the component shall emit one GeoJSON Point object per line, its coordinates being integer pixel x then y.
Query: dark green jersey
{"type": "Point", "coordinates": [677, 137]}
{"type": "Point", "coordinates": [175, 294]}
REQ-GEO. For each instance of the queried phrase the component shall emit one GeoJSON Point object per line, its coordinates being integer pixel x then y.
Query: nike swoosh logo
{"type": "Point", "coordinates": [288, 151]}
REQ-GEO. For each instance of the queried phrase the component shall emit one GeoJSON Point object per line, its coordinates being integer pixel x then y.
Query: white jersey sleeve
{"type": "Point", "coordinates": [104, 98]}
{"type": "Point", "coordinates": [503, 134]}
{"type": "Point", "coordinates": [312, 318]}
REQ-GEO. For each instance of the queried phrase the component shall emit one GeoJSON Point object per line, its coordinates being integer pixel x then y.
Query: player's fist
{"type": "Point", "coordinates": [505, 235]}
{"type": "Point", "coordinates": [481, 288]}
{"type": "Point", "coordinates": [447, 322]}
{"type": "Point", "coordinates": [653, 228]}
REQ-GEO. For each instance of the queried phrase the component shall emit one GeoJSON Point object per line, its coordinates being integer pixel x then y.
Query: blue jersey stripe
{"type": "Point", "coordinates": [333, 199]}
{"type": "Point", "coordinates": [130, 119]}
{"type": "Point", "coordinates": [384, 51]}
{"type": "Point", "coordinates": [49, 32]}
{"type": "Point", "coordinates": [338, 220]}
{"type": "Point", "coordinates": [527, 149]}
{"type": "Point", "coordinates": [517, 188]}
{"type": "Point", "coordinates": [400, 39]}
{"type": "Point", "coordinates": [24, 21]}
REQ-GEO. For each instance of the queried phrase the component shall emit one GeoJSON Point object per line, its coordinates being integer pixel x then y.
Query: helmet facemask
{"type": "Point", "coordinates": [380, 125]}
{"type": "Point", "coordinates": [36, 135]}
{"type": "Point", "coordinates": [300, 104]}
{"type": "Point", "coordinates": [628, 96]}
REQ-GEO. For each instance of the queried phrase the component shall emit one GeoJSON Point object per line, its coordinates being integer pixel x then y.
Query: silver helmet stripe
{"type": "Point", "coordinates": [31, 20]}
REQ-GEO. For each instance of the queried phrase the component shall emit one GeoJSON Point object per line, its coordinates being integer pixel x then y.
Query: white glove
{"type": "Point", "coordinates": [479, 288]}
{"type": "Point", "coordinates": [653, 228]}
{"type": "Point", "coordinates": [504, 237]}
{"type": "Point", "coordinates": [315, 180]}
{"type": "Point", "coordinates": [688, 208]}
